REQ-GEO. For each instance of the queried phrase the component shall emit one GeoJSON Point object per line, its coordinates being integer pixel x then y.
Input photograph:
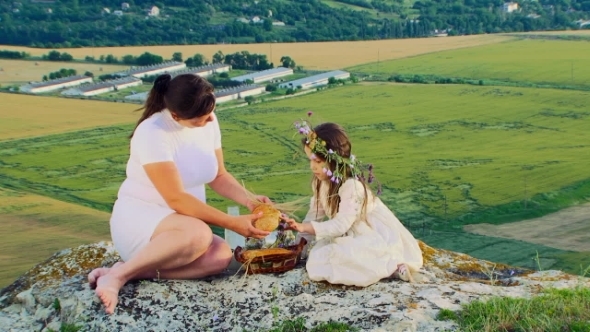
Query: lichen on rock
{"type": "Point", "coordinates": [234, 301]}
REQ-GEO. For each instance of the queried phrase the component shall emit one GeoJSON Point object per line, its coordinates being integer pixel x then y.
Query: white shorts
{"type": "Point", "coordinates": [133, 223]}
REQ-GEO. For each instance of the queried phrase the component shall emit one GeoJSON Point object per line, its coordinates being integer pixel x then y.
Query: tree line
{"type": "Point", "coordinates": [86, 23]}
{"type": "Point", "coordinates": [238, 60]}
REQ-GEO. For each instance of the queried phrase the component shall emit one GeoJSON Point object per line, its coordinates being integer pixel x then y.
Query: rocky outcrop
{"type": "Point", "coordinates": [55, 293]}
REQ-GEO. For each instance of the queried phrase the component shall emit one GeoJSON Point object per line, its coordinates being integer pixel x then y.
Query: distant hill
{"type": "Point", "coordinates": [77, 23]}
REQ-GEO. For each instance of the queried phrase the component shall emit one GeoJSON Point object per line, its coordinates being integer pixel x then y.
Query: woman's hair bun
{"type": "Point", "coordinates": [162, 82]}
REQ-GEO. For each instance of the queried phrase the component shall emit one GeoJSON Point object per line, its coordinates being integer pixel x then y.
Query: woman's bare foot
{"type": "Point", "coordinates": [99, 272]}
{"type": "Point", "coordinates": [107, 289]}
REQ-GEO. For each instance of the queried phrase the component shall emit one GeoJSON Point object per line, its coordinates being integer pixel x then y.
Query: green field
{"type": "Point", "coordinates": [476, 146]}
{"type": "Point", "coordinates": [446, 155]}
{"type": "Point", "coordinates": [462, 149]}
{"type": "Point", "coordinates": [553, 62]}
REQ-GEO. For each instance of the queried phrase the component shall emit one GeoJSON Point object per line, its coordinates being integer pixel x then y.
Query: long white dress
{"type": "Point", "coordinates": [349, 250]}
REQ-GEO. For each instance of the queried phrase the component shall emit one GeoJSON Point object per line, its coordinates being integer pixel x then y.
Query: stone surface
{"type": "Point", "coordinates": [234, 301]}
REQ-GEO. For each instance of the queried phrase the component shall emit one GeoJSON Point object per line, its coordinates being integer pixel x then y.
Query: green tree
{"type": "Point", "coordinates": [66, 57]}
{"type": "Point", "coordinates": [147, 59]}
{"type": "Point", "coordinates": [267, 24]}
{"type": "Point", "coordinates": [196, 60]}
{"type": "Point", "coordinates": [177, 56]}
{"type": "Point", "coordinates": [52, 56]}
{"type": "Point", "coordinates": [287, 62]}
{"type": "Point", "coordinates": [128, 59]}
{"type": "Point", "coordinates": [218, 57]}
{"type": "Point", "coordinates": [111, 59]}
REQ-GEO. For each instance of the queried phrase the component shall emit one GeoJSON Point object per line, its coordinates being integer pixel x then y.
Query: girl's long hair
{"type": "Point", "coordinates": [336, 139]}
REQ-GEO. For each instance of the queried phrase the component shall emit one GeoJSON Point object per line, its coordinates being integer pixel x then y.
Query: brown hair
{"type": "Point", "coordinates": [187, 96]}
{"type": "Point", "coordinates": [336, 139]}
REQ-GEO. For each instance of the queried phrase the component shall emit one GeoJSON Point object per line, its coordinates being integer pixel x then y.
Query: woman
{"type": "Point", "coordinates": [159, 224]}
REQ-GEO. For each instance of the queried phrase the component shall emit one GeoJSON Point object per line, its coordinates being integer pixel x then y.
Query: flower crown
{"type": "Point", "coordinates": [318, 146]}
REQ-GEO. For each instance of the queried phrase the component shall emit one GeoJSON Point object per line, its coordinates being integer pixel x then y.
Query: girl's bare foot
{"type": "Point", "coordinates": [99, 272]}
{"type": "Point", "coordinates": [107, 289]}
{"type": "Point", "coordinates": [403, 273]}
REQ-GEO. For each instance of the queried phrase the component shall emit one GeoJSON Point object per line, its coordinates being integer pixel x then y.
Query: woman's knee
{"type": "Point", "coordinates": [193, 234]}
{"type": "Point", "coordinates": [197, 242]}
{"type": "Point", "coordinates": [221, 254]}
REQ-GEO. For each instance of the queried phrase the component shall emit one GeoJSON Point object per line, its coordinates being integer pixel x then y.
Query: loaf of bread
{"type": "Point", "coordinates": [251, 254]}
{"type": "Point", "coordinates": [270, 217]}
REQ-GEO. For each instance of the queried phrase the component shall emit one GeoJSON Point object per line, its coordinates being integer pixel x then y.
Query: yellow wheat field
{"type": "Point", "coordinates": [317, 55]}
{"type": "Point", "coordinates": [32, 228]}
{"type": "Point", "coordinates": [23, 71]}
{"type": "Point", "coordinates": [26, 116]}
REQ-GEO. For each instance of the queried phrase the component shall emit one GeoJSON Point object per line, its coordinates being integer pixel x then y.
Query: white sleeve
{"type": "Point", "coordinates": [151, 145]}
{"type": "Point", "coordinates": [217, 133]}
{"type": "Point", "coordinates": [352, 195]}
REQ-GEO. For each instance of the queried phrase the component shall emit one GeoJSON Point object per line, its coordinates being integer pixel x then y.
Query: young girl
{"type": "Point", "coordinates": [362, 241]}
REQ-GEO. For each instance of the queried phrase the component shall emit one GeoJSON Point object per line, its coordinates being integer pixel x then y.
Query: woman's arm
{"type": "Point", "coordinates": [166, 179]}
{"type": "Point", "coordinates": [227, 186]}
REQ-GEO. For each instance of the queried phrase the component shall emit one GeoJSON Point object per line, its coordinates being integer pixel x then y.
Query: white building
{"type": "Point", "coordinates": [56, 84]}
{"type": "Point", "coordinates": [103, 87]}
{"type": "Point", "coordinates": [265, 75]}
{"type": "Point", "coordinates": [142, 96]}
{"type": "Point", "coordinates": [140, 72]}
{"type": "Point", "coordinates": [239, 92]}
{"type": "Point", "coordinates": [221, 96]}
{"type": "Point", "coordinates": [154, 11]}
{"type": "Point", "coordinates": [206, 70]}
{"type": "Point", "coordinates": [509, 7]}
{"type": "Point", "coordinates": [315, 80]}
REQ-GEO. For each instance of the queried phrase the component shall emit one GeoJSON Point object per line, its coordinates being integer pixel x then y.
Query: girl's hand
{"type": "Point", "coordinates": [291, 224]}
{"type": "Point", "coordinates": [251, 205]}
{"type": "Point", "coordinates": [244, 226]}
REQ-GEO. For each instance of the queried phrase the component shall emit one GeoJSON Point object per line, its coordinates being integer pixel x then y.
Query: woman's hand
{"type": "Point", "coordinates": [243, 226]}
{"type": "Point", "coordinates": [251, 204]}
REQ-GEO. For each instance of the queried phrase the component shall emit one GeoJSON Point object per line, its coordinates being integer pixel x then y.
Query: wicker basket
{"type": "Point", "coordinates": [275, 263]}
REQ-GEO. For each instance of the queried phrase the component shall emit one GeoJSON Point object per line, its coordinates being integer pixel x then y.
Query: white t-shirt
{"type": "Point", "coordinates": [161, 138]}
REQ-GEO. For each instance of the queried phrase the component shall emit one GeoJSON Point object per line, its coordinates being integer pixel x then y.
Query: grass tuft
{"type": "Point", "coordinates": [554, 310]}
